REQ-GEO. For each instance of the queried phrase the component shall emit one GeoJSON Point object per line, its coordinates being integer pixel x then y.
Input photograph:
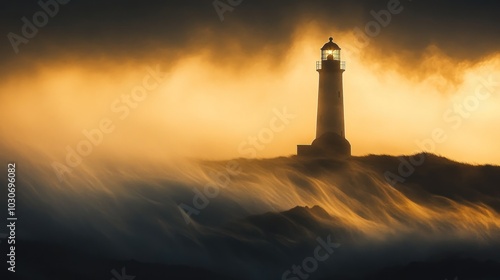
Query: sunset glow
{"type": "Point", "coordinates": [250, 140]}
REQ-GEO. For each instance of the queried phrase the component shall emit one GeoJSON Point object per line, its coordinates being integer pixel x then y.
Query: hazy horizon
{"type": "Point", "coordinates": [222, 87]}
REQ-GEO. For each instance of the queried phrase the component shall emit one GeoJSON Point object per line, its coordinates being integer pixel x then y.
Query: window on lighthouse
{"type": "Point", "coordinates": [336, 54]}
{"type": "Point", "coordinates": [330, 55]}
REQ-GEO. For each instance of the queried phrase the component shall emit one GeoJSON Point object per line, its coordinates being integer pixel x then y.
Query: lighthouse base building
{"type": "Point", "coordinates": [330, 130]}
{"type": "Point", "coordinates": [328, 145]}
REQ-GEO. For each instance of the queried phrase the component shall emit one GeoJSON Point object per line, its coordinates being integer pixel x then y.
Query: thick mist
{"type": "Point", "coordinates": [195, 105]}
{"type": "Point", "coordinates": [202, 213]}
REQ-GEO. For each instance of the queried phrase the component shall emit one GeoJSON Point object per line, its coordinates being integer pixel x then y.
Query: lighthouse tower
{"type": "Point", "coordinates": [330, 129]}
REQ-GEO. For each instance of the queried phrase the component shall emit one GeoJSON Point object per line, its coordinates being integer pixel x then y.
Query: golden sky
{"type": "Point", "coordinates": [221, 91]}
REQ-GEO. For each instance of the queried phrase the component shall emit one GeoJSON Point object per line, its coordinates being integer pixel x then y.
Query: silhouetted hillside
{"type": "Point", "coordinates": [440, 221]}
{"type": "Point", "coordinates": [442, 177]}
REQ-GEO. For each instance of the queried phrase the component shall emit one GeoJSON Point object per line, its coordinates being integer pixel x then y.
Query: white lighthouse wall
{"type": "Point", "coordinates": [330, 103]}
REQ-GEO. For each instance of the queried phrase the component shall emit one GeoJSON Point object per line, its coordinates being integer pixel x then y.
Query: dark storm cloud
{"type": "Point", "coordinates": [464, 29]}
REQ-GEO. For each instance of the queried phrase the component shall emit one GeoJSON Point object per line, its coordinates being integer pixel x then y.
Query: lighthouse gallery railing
{"type": "Point", "coordinates": [318, 65]}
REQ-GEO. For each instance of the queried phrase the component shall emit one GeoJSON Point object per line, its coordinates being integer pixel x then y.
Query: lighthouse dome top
{"type": "Point", "coordinates": [330, 45]}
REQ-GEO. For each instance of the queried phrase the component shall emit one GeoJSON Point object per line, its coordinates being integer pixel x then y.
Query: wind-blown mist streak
{"type": "Point", "coordinates": [353, 193]}
{"type": "Point", "coordinates": [131, 211]}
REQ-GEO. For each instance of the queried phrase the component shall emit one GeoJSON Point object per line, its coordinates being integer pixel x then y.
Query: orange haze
{"type": "Point", "coordinates": [209, 105]}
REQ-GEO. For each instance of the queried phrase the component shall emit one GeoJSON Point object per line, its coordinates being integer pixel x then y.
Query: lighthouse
{"type": "Point", "coordinates": [330, 128]}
